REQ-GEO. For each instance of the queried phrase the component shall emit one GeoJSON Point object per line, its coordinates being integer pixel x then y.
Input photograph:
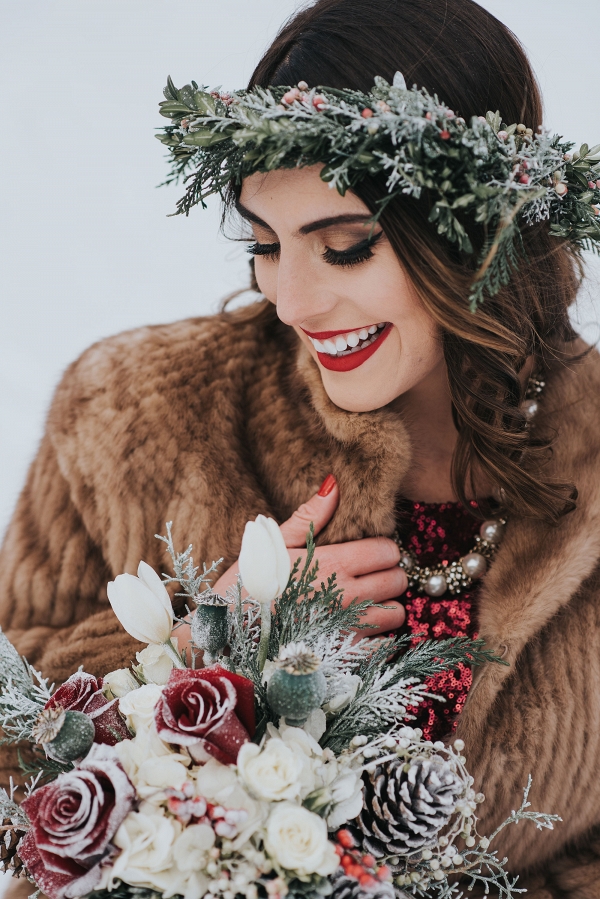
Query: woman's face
{"type": "Point", "coordinates": [339, 284]}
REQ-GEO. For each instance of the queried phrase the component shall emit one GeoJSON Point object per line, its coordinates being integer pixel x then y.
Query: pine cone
{"type": "Point", "coordinates": [405, 810]}
{"type": "Point", "coordinates": [345, 887]}
{"type": "Point", "coordinates": [10, 837]}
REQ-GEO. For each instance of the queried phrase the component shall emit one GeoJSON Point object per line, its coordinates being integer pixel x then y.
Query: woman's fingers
{"type": "Point", "coordinates": [383, 585]}
{"type": "Point", "coordinates": [360, 557]}
{"type": "Point", "coordinates": [381, 619]}
{"type": "Point", "coordinates": [319, 509]}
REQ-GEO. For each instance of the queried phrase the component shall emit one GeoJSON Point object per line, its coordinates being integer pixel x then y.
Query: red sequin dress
{"type": "Point", "coordinates": [438, 532]}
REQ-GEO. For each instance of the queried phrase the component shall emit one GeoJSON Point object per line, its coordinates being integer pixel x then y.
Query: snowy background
{"type": "Point", "coordinates": [86, 248]}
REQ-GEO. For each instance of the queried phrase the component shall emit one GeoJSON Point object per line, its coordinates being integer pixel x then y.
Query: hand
{"type": "Point", "coordinates": [364, 569]}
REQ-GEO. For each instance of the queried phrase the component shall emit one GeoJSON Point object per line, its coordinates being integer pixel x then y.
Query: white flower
{"type": "Point", "coordinates": [155, 665]}
{"type": "Point", "coordinates": [190, 856]}
{"type": "Point", "coordinates": [264, 561]}
{"type": "Point", "coordinates": [297, 840]}
{"type": "Point", "coordinates": [145, 839]}
{"type": "Point", "coordinates": [347, 794]}
{"type": "Point", "coordinates": [138, 706]}
{"type": "Point", "coordinates": [151, 765]}
{"type": "Point", "coordinates": [273, 772]}
{"type": "Point", "coordinates": [118, 683]}
{"type": "Point", "coordinates": [341, 691]}
{"type": "Point", "coordinates": [142, 605]}
{"type": "Point", "coordinates": [220, 785]}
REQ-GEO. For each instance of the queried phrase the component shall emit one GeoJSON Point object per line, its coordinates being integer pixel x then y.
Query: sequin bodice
{"type": "Point", "coordinates": [438, 532]}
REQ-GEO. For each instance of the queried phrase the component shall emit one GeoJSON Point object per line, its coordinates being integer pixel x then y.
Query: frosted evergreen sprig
{"type": "Point", "coordinates": [186, 573]}
{"type": "Point", "coordinates": [23, 693]}
{"type": "Point", "coordinates": [483, 172]}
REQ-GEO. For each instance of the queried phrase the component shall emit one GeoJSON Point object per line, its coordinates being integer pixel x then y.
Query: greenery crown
{"type": "Point", "coordinates": [490, 173]}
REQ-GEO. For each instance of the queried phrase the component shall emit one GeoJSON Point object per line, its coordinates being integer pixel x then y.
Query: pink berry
{"type": "Point", "coordinates": [367, 113]}
{"type": "Point", "coordinates": [592, 184]}
{"type": "Point", "coordinates": [503, 135]}
{"type": "Point", "coordinates": [428, 116]}
{"type": "Point", "coordinates": [366, 880]}
{"type": "Point", "coordinates": [524, 179]}
{"type": "Point", "coordinates": [345, 839]}
{"type": "Point", "coordinates": [319, 102]}
{"type": "Point", "coordinates": [292, 95]}
{"type": "Point", "coordinates": [384, 873]}
{"type": "Point", "coordinates": [368, 860]}
{"type": "Point", "coordinates": [444, 135]}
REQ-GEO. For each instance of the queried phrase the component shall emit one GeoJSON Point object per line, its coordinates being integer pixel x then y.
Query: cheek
{"type": "Point", "coordinates": [265, 272]}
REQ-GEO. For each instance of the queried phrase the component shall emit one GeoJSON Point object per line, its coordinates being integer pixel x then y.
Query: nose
{"type": "Point", "coordinates": [301, 295]}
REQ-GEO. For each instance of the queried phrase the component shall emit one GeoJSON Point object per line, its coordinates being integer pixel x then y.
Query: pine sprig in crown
{"type": "Point", "coordinates": [493, 174]}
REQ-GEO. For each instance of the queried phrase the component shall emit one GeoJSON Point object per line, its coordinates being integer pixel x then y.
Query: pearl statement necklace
{"type": "Point", "coordinates": [455, 577]}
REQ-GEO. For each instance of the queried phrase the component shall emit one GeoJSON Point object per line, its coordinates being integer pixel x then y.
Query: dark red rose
{"type": "Point", "coordinates": [210, 711]}
{"type": "Point", "coordinates": [73, 819]}
{"type": "Point", "coordinates": [83, 693]}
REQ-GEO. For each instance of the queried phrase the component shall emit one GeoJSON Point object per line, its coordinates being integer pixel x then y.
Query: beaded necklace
{"type": "Point", "coordinates": [459, 575]}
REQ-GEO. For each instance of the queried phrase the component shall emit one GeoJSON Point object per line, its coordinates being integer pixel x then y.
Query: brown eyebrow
{"type": "Point", "coordinates": [350, 218]}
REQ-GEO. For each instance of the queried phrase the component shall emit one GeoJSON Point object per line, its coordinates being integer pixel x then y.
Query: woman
{"type": "Point", "coordinates": [211, 421]}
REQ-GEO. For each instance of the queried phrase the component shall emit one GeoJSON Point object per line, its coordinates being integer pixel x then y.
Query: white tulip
{"type": "Point", "coordinates": [142, 605]}
{"type": "Point", "coordinates": [264, 560]}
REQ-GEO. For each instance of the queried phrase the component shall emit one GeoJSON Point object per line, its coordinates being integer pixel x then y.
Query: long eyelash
{"type": "Point", "coordinates": [270, 250]}
{"type": "Point", "coordinates": [353, 256]}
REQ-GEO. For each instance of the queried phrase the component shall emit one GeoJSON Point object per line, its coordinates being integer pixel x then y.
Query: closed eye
{"type": "Point", "coordinates": [360, 252]}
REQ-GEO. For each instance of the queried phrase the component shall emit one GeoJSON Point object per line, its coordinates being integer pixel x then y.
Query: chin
{"type": "Point", "coordinates": [358, 397]}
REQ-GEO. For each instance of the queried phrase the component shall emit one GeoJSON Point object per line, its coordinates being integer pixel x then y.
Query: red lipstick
{"type": "Point", "coordinates": [352, 360]}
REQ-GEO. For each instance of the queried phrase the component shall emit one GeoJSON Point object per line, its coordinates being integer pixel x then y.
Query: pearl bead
{"type": "Point", "coordinates": [474, 565]}
{"type": "Point", "coordinates": [436, 585]}
{"type": "Point", "coordinates": [491, 531]}
{"type": "Point", "coordinates": [529, 408]}
{"type": "Point", "coordinates": [407, 562]}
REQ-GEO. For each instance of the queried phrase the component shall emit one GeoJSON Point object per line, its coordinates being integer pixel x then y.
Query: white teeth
{"type": "Point", "coordinates": [343, 344]}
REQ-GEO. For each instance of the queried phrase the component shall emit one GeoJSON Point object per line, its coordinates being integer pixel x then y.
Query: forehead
{"type": "Point", "coordinates": [295, 197]}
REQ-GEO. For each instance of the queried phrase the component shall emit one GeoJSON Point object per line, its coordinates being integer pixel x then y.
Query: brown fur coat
{"type": "Point", "coordinates": [207, 423]}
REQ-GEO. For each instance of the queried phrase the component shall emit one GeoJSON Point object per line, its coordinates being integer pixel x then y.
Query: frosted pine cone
{"type": "Point", "coordinates": [345, 887]}
{"type": "Point", "coordinates": [405, 810]}
{"type": "Point", "coordinates": [10, 837]}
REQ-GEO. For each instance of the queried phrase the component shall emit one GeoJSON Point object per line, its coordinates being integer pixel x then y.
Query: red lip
{"type": "Point", "coordinates": [352, 360]}
{"type": "Point", "coordinates": [325, 335]}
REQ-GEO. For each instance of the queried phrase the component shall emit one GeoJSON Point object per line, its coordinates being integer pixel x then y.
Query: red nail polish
{"type": "Point", "coordinates": [327, 485]}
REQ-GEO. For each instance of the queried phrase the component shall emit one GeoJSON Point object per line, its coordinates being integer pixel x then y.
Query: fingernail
{"type": "Point", "coordinates": [327, 485]}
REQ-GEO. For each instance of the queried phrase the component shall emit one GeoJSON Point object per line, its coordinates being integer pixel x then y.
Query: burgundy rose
{"type": "Point", "coordinates": [73, 820]}
{"type": "Point", "coordinates": [210, 711]}
{"type": "Point", "coordinates": [83, 693]}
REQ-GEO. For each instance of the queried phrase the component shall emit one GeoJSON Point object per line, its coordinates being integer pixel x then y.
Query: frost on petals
{"type": "Point", "coordinates": [73, 820]}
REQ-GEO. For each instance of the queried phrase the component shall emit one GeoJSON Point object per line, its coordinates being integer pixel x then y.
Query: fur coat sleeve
{"type": "Point", "coordinates": [209, 422]}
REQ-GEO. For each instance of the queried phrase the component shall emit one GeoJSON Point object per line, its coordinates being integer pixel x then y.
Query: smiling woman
{"type": "Point", "coordinates": [409, 383]}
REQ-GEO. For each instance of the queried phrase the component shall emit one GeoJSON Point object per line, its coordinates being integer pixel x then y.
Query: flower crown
{"type": "Point", "coordinates": [493, 174]}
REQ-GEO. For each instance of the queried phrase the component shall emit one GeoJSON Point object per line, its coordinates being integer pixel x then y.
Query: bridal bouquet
{"type": "Point", "coordinates": [286, 766]}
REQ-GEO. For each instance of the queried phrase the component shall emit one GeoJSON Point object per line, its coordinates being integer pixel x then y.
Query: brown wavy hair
{"type": "Point", "coordinates": [456, 49]}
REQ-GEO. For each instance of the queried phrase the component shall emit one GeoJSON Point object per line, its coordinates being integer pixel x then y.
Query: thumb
{"type": "Point", "coordinates": [319, 509]}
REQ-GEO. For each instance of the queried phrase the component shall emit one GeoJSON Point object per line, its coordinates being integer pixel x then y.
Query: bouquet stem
{"type": "Point", "coordinates": [173, 654]}
{"type": "Point", "coordinates": [265, 634]}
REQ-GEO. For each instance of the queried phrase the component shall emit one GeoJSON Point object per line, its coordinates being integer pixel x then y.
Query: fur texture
{"type": "Point", "coordinates": [208, 422]}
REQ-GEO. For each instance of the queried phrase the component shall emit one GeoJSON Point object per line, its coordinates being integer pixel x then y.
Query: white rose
{"type": "Point", "coordinates": [118, 683]}
{"type": "Point", "coordinates": [297, 840]}
{"type": "Point", "coordinates": [191, 848]}
{"type": "Point", "coordinates": [138, 706]}
{"type": "Point", "coordinates": [155, 665]}
{"type": "Point", "coordinates": [220, 785]}
{"type": "Point", "coordinates": [145, 839]}
{"type": "Point", "coordinates": [273, 772]}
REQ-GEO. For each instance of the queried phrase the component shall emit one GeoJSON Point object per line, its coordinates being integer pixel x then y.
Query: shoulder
{"type": "Point", "coordinates": [161, 369]}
